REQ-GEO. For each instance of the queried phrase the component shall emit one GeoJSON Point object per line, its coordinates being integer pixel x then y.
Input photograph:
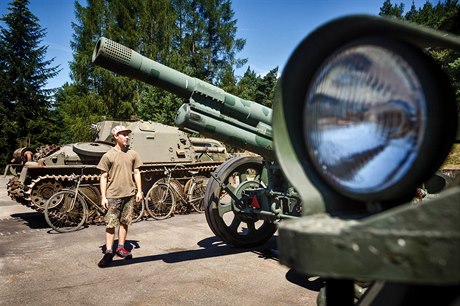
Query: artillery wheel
{"type": "Point", "coordinates": [237, 229]}
{"type": "Point", "coordinates": [43, 190]}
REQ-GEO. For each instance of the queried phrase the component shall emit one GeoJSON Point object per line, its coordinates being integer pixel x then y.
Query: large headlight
{"type": "Point", "coordinates": [366, 118]}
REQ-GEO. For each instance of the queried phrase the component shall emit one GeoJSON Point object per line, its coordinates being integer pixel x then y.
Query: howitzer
{"type": "Point", "coordinates": [248, 195]}
{"type": "Point", "coordinates": [357, 116]}
{"type": "Point", "coordinates": [210, 110]}
{"type": "Point", "coordinates": [373, 117]}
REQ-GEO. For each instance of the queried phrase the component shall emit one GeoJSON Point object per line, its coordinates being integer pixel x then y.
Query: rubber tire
{"type": "Point", "coordinates": [77, 215]}
{"type": "Point", "coordinates": [166, 193]}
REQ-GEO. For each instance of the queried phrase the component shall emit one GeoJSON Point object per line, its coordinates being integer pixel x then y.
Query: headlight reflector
{"type": "Point", "coordinates": [364, 119]}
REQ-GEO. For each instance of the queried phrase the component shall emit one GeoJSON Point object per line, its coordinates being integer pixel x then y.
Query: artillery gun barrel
{"type": "Point", "coordinates": [125, 61]}
{"type": "Point", "coordinates": [230, 131]}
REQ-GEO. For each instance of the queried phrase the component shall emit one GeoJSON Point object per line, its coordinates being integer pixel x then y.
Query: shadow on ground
{"type": "Point", "coordinates": [34, 220]}
{"type": "Point", "coordinates": [210, 247]}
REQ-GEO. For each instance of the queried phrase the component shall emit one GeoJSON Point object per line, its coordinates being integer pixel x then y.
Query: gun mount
{"type": "Point", "coordinates": [248, 194]}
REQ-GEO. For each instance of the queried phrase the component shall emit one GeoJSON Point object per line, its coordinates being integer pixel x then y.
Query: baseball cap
{"type": "Point", "coordinates": [118, 129]}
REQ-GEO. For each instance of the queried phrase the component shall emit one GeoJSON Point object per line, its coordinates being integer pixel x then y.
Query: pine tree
{"type": "Point", "coordinates": [445, 16]}
{"type": "Point", "coordinates": [209, 39]}
{"type": "Point", "coordinates": [25, 72]}
{"type": "Point", "coordinates": [257, 88]}
{"type": "Point", "coordinates": [196, 37]}
{"type": "Point", "coordinates": [266, 88]}
{"type": "Point", "coordinates": [391, 10]}
{"type": "Point", "coordinates": [247, 86]}
{"type": "Point", "coordinates": [97, 94]}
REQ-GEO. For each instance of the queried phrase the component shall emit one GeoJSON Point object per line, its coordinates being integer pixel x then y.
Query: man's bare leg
{"type": "Point", "coordinates": [122, 233]}
{"type": "Point", "coordinates": [109, 238]}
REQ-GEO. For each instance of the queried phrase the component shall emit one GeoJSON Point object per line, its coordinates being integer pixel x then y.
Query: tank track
{"type": "Point", "coordinates": [23, 194]}
{"type": "Point", "coordinates": [46, 150]}
{"type": "Point", "coordinates": [64, 179]}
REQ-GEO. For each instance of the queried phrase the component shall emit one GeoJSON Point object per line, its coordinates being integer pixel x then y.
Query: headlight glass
{"type": "Point", "coordinates": [364, 119]}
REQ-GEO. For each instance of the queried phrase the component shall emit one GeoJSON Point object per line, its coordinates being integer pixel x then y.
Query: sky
{"type": "Point", "coordinates": [272, 28]}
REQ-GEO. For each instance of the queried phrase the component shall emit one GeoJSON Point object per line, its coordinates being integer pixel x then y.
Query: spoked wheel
{"type": "Point", "coordinates": [65, 211]}
{"type": "Point", "coordinates": [138, 211]}
{"type": "Point", "coordinates": [233, 227]}
{"type": "Point", "coordinates": [195, 194]}
{"type": "Point", "coordinates": [160, 201]}
{"type": "Point", "coordinates": [94, 215]}
{"type": "Point", "coordinates": [178, 192]}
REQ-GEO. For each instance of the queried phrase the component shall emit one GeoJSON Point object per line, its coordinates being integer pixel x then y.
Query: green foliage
{"type": "Point", "coordinates": [196, 37]}
{"type": "Point", "coordinates": [257, 88]}
{"type": "Point", "coordinates": [391, 10]}
{"type": "Point", "coordinates": [266, 88]}
{"type": "Point", "coordinates": [444, 16]}
{"type": "Point", "coordinates": [158, 106]}
{"type": "Point", "coordinates": [26, 115]}
{"type": "Point", "coordinates": [207, 38]}
{"type": "Point", "coordinates": [76, 113]}
{"type": "Point", "coordinates": [117, 93]}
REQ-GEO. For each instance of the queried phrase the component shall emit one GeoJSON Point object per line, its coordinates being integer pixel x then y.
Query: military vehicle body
{"type": "Point", "coordinates": [348, 232]}
{"type": "Point", "coordinates": [158, 145]}
{"type": "Point", "coordinates": [248, 195]}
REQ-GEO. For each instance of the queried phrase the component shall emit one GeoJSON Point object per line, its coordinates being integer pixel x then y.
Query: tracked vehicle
{"type": "Point", "coordinates": [158, 145]}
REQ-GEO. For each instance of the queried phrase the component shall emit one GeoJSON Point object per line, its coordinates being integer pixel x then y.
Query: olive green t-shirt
{"type": "Point", "coordinates": [119, 166]}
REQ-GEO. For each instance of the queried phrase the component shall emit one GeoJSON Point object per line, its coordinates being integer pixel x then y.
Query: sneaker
{"type": "Point", "coordinates": [123, 253]}
{"type": "Point", "coordinates": [106, 260]}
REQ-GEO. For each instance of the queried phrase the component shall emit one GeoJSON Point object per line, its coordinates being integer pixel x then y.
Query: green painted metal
{"type": "Point", "coordinates": [193, 116]}
{"type": "Point", "coordinates": [248, 116]}
{"type": "Point", "coordinates": [404, 244]}
{"type": "Point", "coordinates": [340, 238]}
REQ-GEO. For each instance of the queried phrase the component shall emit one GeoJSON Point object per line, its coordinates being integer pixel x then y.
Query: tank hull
{"type": "Point", "coordinates": [159, 146]}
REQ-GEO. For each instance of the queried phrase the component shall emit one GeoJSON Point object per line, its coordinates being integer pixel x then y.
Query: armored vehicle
{"type": "Point", "coordinates": [158, 145]}
{"type": "Point", "coordinates": [362, 118]}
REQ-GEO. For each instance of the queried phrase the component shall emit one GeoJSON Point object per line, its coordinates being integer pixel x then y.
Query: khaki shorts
{"type": "Point", "coordinates": [120, 211]}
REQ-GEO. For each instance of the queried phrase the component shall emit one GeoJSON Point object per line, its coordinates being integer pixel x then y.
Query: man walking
{"type": "Point", "coordinates": [118, 191]}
